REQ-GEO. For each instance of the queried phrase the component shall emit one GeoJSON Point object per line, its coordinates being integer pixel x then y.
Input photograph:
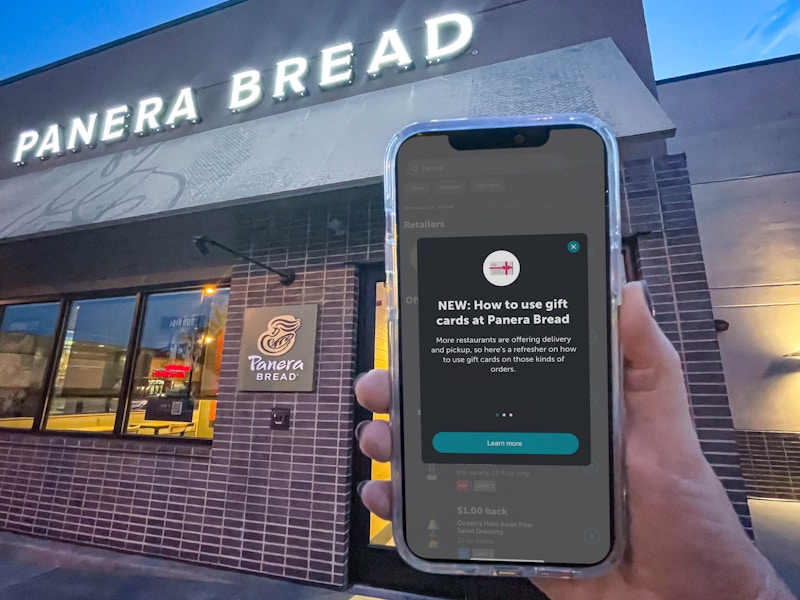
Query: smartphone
{"type": "Point", "coordinates": [504, 276]}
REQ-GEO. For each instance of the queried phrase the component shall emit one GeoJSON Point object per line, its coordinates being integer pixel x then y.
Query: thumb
{"type": "Point", "coordinates": [654, 385]}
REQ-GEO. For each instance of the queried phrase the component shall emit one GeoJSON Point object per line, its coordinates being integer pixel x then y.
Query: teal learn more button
{"type": "Point", "coordinates": [484, 442]}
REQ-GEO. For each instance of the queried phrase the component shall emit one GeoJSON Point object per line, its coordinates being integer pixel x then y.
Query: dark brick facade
{"type": "Point", "coordinates": [658, 206]}
{"type": "Point", "coordinates": [278, 502]}
{"type": "Point", "coordinates": [771, 463]}
{"type": "Point", "coordinates": [273, 502]}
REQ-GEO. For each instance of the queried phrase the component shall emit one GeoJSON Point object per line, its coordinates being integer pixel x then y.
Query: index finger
{"type": "Point", "coordinates": [372, 390]}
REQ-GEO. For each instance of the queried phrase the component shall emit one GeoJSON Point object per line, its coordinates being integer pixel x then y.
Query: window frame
{"type": "Point", "coordinates": [124, 398]}
{"type": "Point", "coordinates": [50, 367]}
{"type": "Point", "coordinates": [59, 351]}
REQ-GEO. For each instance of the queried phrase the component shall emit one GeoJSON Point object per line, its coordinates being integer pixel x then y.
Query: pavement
{"type": "Point", "coordinates": [40, 569]}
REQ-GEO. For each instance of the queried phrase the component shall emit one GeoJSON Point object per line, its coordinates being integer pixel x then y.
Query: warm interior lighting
{"type": "Point", "coordinates": [208, 339]}
{"type": "Point", "coordinates": [210, 290]}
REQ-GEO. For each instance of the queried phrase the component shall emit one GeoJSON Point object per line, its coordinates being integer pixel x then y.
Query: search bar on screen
{"type": "Point", "coordinates": [476, 166]}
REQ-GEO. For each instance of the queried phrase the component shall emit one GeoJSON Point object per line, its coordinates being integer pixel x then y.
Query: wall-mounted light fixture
{"type": "Point", "coordinates": [721, 325]}
{"type": "Point", "coordinates": [336, 226]}
{"type": "Point", "coordinates": [203, 242]}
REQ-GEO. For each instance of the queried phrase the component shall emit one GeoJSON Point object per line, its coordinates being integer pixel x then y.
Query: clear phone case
{"type": "Point", "coordinates": [617, 278]}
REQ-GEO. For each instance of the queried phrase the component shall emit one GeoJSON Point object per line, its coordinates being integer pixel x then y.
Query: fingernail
{"type": "Point", "coordinates": [648, 298]}
{"type": "Point", "coordinates": [359, 376]}
{"type": "Point", "coordinates": [359, 430]}
{"type": "Point", "coordinates": [360, 486]}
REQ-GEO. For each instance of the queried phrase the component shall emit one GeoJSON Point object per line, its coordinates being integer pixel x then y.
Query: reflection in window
{"type": "Point", "coordinates": [91, 366]}
{"type": "Point", "coordinates": [26, 342]}
{"type": "Point", "coordinates": [176, 374]}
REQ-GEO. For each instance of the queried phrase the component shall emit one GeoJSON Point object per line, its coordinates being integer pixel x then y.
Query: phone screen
{"type": "Point", "coordinates": [503, 300]}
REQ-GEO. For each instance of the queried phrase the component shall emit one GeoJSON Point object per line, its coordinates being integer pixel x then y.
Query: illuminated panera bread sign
{"type": "Point", "coordinates": [446, 36]}
{"type": "Point", "coordinates": [278, 348]}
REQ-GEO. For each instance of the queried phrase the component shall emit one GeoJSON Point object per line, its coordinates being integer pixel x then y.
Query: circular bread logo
{"type": "Point", "coordinates": [280, 335]}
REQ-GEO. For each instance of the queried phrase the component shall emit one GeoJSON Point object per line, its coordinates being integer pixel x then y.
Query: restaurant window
{"type": "Point", "coordinates": [91, 365]}
{"type": "Point", "coordinates": [64, 365]}
{"type": "Point", "coordinates": [26, 342]}
{"type": "Point", "coordinates": [176, 374]}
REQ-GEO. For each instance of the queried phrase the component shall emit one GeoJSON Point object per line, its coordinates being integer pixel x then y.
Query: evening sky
{"type": "Point", "coordinates": [685, 36]}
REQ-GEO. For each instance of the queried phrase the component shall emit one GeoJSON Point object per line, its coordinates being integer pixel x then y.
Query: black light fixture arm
{"type": "Point", "coordinates": [203, 241]}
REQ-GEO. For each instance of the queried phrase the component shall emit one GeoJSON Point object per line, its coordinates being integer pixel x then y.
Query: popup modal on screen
{"type": "Point", "coordinates": [484, 339]}
{"type": "Point", "coordinates": [504, 352]}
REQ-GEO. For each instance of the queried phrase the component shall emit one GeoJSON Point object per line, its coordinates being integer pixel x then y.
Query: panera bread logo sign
{"type": "Point", "coordinates": [278, 349]}
{"type": "Point", "coordinates": [279, 337]}
{"type": "Point", "coordinates": [446, 37]}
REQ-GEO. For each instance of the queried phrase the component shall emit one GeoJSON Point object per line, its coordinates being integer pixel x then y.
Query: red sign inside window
{"type": "Point", "coordinates": [172, 372]}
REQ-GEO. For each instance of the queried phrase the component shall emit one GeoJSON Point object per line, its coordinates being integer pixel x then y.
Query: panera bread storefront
{"type": "Point", "coordinates": [191, 257]}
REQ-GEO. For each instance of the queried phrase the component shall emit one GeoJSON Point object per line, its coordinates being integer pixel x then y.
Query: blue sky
{"type": "Point", "coordinates": [686, 36]}
{"type": "Point", "coordinates": [690, 36]}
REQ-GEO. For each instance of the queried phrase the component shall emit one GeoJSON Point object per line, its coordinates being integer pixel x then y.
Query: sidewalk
{"type": "Point", "coordinates": [38, 569]}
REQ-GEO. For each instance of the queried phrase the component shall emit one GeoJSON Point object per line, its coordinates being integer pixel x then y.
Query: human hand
{"type": "Point", "coordinates": [685, 541]}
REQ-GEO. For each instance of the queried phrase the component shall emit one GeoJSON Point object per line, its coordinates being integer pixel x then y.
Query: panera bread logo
{"type": "Point", "coordinates": [280, 335]}
{"type": "Point", "coordinates": [280, 356]}
{"type": "Point", "coordinates": [277, 340]}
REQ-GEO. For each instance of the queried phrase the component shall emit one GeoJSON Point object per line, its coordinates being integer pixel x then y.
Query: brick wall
{"type": "Point", "coordinates": [771, 463]}
{"type": "Point", "coordinates": [657, 204]}
{"type": "Point", "coordinates": [277, 502]}
{"type": "Point", "coordinates": [273, 502]}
